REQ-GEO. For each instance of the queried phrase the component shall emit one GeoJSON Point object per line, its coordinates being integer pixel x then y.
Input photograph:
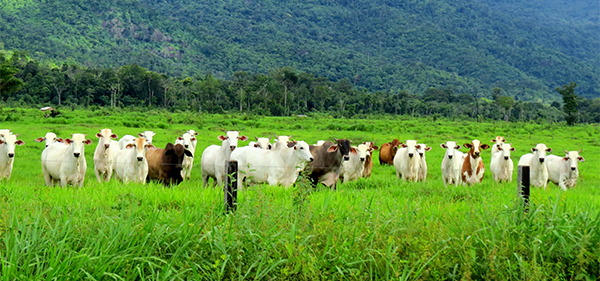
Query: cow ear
{"type": "Point", "coordinates": [150, 146]}
{"type": "Point", "coordinates": [485, 146]}
{"type": "Point", "coordinates": [566, 158]}
{"type": "Point", "coordinates": [467, 145]}
{"type": "Point", "coordinates": [418, 146]}
{"type": "Point", "coordinates": [548, 149]}
{"type": "Point", "coordinates": [581, 159]}
{"type": "Point", "coordinates": [457, 147]}
{"type": "Point", "coordinates": [403, 145]}
{"type": "Point", "coordinates": [19, 142]}
{"type": "Point", "coordinates": [375, 147]}
{"type": "Point", "coordinates": [1, 142]}
{"type": "Point", "coordinates": [222, 137]}
{"type": "Point", "coordinates": [98, 135]}
{"type": "Point", "coordinates": [256, 145]}
{"type": "Point", "coordinates": [68, 141]}
{"type": "Point", "coordinates": [494, 140]}
{"type": "Point", "coordinates": [87, 141]}
{"type": "Point", "coordinates": [40, 139]}
{"type": "Point", "coordinates": [243, 138]}
{"type": "Point", "coordinates": [499, 147]}
{"type": "Point", "coordinates": [332, 148]}
{"type": "Point", "coordinates": [428, 148]}
{"type": "Point", "coordinates": [256, 137]}
{"type": "Point", "coordinates": [140, 135]}
{"type": "Point", "coordinates": [59, 140]}
{"type": "Point", "coordinates": [533, 149]}
{"type": "Point", "coordinates": [353, 151]}
{"type": "Point", "coordinates": [188, 153]}
{"type": "Point", "coordinates": [512, 149]}
{"type": "Point", "coordinates": [179, 138]}
{"type": "Point", "coordinates": [113, 136]}
{"type": "Point", "coordinates": [443, 145]}
{"type": "Point", "coordinates": [129, 146]}
{"type": "Point", "coordinates": [193, 139]}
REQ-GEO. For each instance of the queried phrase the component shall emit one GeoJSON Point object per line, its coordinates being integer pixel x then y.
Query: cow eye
{"type": "Point", "coordinates": [534, 149]}
{"type": "Point", "coordinates": [301, 147]}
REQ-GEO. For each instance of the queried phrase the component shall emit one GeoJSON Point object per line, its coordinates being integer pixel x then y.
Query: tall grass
{"type": "Point", "coordinates": [379, 228]}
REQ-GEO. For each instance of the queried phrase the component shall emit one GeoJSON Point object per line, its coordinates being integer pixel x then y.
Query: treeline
{"type": "Point", "coordinates": [281, 92]}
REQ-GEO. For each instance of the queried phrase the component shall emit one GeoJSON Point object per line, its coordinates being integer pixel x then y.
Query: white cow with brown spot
{"type": "Point", "coordinates": [49, 138]}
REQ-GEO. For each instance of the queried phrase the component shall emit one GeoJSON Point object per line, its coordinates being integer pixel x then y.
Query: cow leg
{"type": "Point", "coordinates": [98, 175]}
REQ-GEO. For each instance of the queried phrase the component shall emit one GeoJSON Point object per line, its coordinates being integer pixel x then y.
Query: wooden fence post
{"type": "Point", "coordinates": [230, 186]}
{"type": "Point", "coordinates": [523, 182]}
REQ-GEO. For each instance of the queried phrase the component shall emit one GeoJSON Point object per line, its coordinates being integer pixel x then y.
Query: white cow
{"type": "Point", "coordinates": [564, 171]}
{"type": "Point", "coordinates": [501, 165]}
{"type": "Point", "coordinates": [105, 154]}
{"type": "Point", "coordinates": [353, 168]}
{"type": "Point", "coordinates": [127, 139]}
{"type": "Point", "coordinates": [214, 157]}
{"type": "Point", "coordinates": [497, 140]}
{"type": "Point", "coordinates": [261, 143]}
{"type": "Point", "coordinates": [276, 166]}
{"type": "Point", "coordinates": [49, 138]}
{"type": "Point", "coordinates": [5, 132]}
{"type": "Point", "coordinates": [189, 143]}
{"type": "Point", "coordinates": [423, 163]}
{"type": "Point", "coordinates": [452, 163]}
{"type": "Point", "coordinates": [7, 154]}
{"type": "Point", "coordinates": [407, 161]}
{"type": "Point", "coordinates": [282, 140]}
{"type": "Point", "coordinates": [538, 172]}
{"type": "Point", "coordinates": [131, 164]}
{"type": "Point", "coordinates": [193, 134]}
{"type": "Point", "coordinates": [65, 162]}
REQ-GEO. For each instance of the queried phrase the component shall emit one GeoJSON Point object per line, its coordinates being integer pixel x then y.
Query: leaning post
{"type": "Point", "coordinates": [230, 187]}
{"type": "Point", "coordinates": [524, 183]}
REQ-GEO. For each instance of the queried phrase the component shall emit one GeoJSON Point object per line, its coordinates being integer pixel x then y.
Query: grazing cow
{"type": "Point", "coordinates": [407, 161]}
{"type": "Point", "coordinates": [130, 164]}
{"type": "Point", "coordinates": [473, 167]}
{"type": "Point", "coordinates": [564, 171]}
{"type": "Point", "coordinates": [387, 152]}
{"type": "Point", "coordinates": [165, 165]}
{"type": "Point", "coordinates": [105, 154]}
{"type": "Point", "coordinates": [65, 161]}
{"type": "Point", "coordinates": [369, 161]}
{"type": "Point", "coordinates": [214, 157]}
{"type": "Point", "coordinates": [498, 140]}
{"type": "Point", "coordinates": [328, 162]}
{"type": "Point", "coordinates": [7, 154]}
{"type": "Point", "coordinates": [261, 143]}
{"type": "Point", "coordinates": [423, 164]}
{"type": "Point", "coordinates": [189, 142]}
{"type": "Point", "coordinates": [452, 163]}
{"type": "Point", "coordinates": [276, 166]}
{"type": "Point", "coordinates": [127, 139]}
{"type": "Point", "coordinates": [501, 165]}
{"type": "Point", "coordinates": [49, 138]}
{"type": "Point", "coordinates": [353, 168]}
{"type": "Point", "coordinates": [538, 172]}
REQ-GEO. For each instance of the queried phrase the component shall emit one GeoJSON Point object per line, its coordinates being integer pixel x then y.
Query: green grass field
{"type": "Point", "coordinates": [378, 228]}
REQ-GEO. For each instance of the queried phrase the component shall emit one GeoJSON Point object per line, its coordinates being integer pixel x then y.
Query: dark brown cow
{"type": "Point", "coordinates": [328, 161]}
{"type": "Point", "coordinates": [387, 151]}
{"type": "Point", "coordinates": [473, 168]}
{"type": "Point", "coordinates": [369, 161]}
{"type": "Point", "coordinates": [165, 165]}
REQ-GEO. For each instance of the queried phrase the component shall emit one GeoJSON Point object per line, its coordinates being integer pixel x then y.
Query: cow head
{"type": "Point", "coordinates": [475, 148]}
{"type": "Point", "coordinates": [192, 132]}
{"type": "Point", "coordinates": [187, 140]}
{"type": "Point", "coordinates": [76, 142]}
{"type": "Point", "coordinates": [174, 154]}
{"type": "Point", "coordinates": [411, 147]}
{"type": "Point", "coordinates": [343, 146]}
{"type": "Point", "coordinates": [505, 149]}
{"type": "Point", "coordinates": [140, 145]}
{"type": "Point", "coordinates": [148, 135]}
{"type": "Point", "coordinates": [371, 145]}
{"type": "Point", "coordinates": [362, 150]}
{"type": "Point", "coordinates": [539, 152]}
{"type": "Point", "coordinates": [10, 141]}
{"type": "Point", "coordinates": [302, 151]}
{"type": "Point", "coordinates": [422, 149]}
{"type": "Point", "coordinates": [263, 143]}
{"type": "Point", "coordinates": [450, 146]}
{"type": "Point", "coordinates": [105, 137]}
{"type": "Point", "coordinates": [232, 138]}
{"type": "Point", "coordinates": [499, 140]}
{"type": "Point", "coordinates": [573, 158]}
{"type": "Point", "coordinates": [50, 138]}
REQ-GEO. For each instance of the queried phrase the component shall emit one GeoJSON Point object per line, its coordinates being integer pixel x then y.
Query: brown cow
{"type": "Point", "coordinates": [369, 161]}
{"type": "Point", "coordinates": [327, 166]}
{"type": "Point", "coordinates": [473, 168]}
{"type": "Point", "coordinates": [387, 151]}
{"type": "Point", "coordinates": [165, 165]}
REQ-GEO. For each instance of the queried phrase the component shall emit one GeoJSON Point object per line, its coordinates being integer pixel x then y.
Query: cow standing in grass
{"type": "Point", "coordinates": [105, 154]}
{"type": "Point", "coordinates": [564, 171]}
{"type": "Point", "coordinates": [538, 172]}
{"type": "Point", "coordinates": [473, 167]}
{"type": "Point", "coordinates": [452, 163]}
{"type": "Point", "coordinates": [7, 154]}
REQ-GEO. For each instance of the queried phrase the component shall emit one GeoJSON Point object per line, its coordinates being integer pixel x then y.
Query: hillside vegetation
{"type": "Point", "coordinates": [524, 47]}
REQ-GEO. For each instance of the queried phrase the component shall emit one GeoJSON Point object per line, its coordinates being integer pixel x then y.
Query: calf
{"type": "Point", "coordinates": [127, 139]}
{"type": "Point", "coordinates": [328, 162]}
{"type": "Point", "coordinates": [538, 172]}
{"type": "Point", "coordinates": [130, 164]}
{"type": "Point", "coordinates": [7, 154]}
{"type": "Point", "coordinates": [189, 142]}
{"type": "Point", "coordinates": [452, 163]}
{"type": "Point", "coordinates": [65, 162]}
{"type": "Point", "coordinates": [49, 138]}
{"type": "Point", "coordinates": [165, 165]}
{"type": "Point", "coordinates": [353, 168]}
{"type": "Point", "coordinates": [564, 171]}
{"type": "Point", "coordinates": [423, 164]}
{"type": "Point", "coordinates": [473, 167]}
{"type": "Point", "coordinates": [387, 152]}
{"type": "Point", "coordinates": [407, 161]}
{"type": "Point", "coordinates": [214, 157]}
{"type": "Point", "coordinates": [105, 154]}
{"type": "Point", "coordinates": [501, 165]}
{"type": "Point", "coordinates": [369, 161]}
{"type": "Point", "coordinates": [498, 140]}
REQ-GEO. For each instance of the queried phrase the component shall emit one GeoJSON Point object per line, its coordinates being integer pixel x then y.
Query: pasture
{"type": "Point", "coordinates": [376, 228]}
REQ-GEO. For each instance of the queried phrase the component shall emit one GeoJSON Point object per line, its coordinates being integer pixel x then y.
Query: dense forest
{"type": "Point", "coordinates": [281, 92]}
{"type": "Point", "coordinates": [524, 47]}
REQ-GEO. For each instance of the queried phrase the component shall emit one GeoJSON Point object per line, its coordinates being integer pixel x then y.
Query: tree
{"type": "Point", "coordinates": [507, 103]}
{"type": "Point", "coordinates": [570, 102]}
{"type": "Point", "coordinates": [8, 82]}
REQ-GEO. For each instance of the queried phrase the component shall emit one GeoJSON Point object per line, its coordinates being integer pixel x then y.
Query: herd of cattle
{"type": "Point", "coordinates": [136, 159]}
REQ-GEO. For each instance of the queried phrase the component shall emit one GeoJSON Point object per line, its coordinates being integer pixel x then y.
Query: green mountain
{"type": "Point", "coordinates": [527, 48]}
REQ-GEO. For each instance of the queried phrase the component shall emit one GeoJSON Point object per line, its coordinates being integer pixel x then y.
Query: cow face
{"type": "Point", "coordinates": [450, 146]}
{"type": "Point", "coordinates": [411, 147]}
{"type": "Point", "coordinates": [232, 137]}
{"type": "Point", "coordinates": [192, 133]}
{"type": "Point", "coordinates": [505, 149]}
{"type": "Point", "coordinates": [539, 151]}
{"type": "Point", "coordinates": [76, 142]}
{"type": "Point", "coordinates": [422, 149]}
{"type": "Point", "coordinates": [302, 151]}
{"type": "Point", "coordinates": [475, 148]}
{"type": "Point", "coordinates": [573, 158]}
{"type": "Point", "coordinates": [362, 150]}
{"type": "Point", "coordinates": [175, 153]}
{"type": "Point", "coordinates": [343, 146]}
{"type": "Point", "coordinates": [187, 140]}
{"type": "Point", "coordinates": [9, 141]}
{"type": "Point", "coordinates": [50, 138]}
{"type": "Point", "coordinates": [148, 135]}
{"type": "Point", "coordinates": [141, 146]}
{"type": "Point", "coordinates": [499, 140]}
{"type": "Point", "coordinates": [105, 137]}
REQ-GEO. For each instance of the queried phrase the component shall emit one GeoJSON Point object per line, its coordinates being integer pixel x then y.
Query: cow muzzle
{"type": "Point", "coordinates": [346, 158]}
{"type": "Point", "coordinates": [311, 159]}
{"type": "Point", "coordinates": [476, 154]}
{"type": "Point", "coordinates": [76, 154]}
{"type": "Point", "coordinates": [573, 168]}
{"type": "Point", "coordinates": [140, 158]}
{"type": "Point", "coordinates": [11, 155]}
{"type": "Point", "coordinates": [232, 147]}
{"type": "Point", "coordinates": [411, 155]}
{"type": "Point", "coordinates": [106, 145]}
{"type": "Point", "coordinates": [186, 146]}
{"type": "Point", "coordinates": [362, 159]}
{"type": "Point", "coordinates": [505, 157]}
{"type": "Point", "coordinates": [421, 154]}
{"type": "Point", "coordinates": [450, 156]}
{"type": "Point", "coordinates": [542, 160]}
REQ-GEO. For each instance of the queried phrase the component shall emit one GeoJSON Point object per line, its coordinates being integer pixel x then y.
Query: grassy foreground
{"type": "Point", "coordinates": [380, 228]}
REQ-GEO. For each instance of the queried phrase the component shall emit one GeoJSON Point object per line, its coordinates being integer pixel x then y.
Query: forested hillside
{"type": "Point", "coordinates": [525, 47]}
